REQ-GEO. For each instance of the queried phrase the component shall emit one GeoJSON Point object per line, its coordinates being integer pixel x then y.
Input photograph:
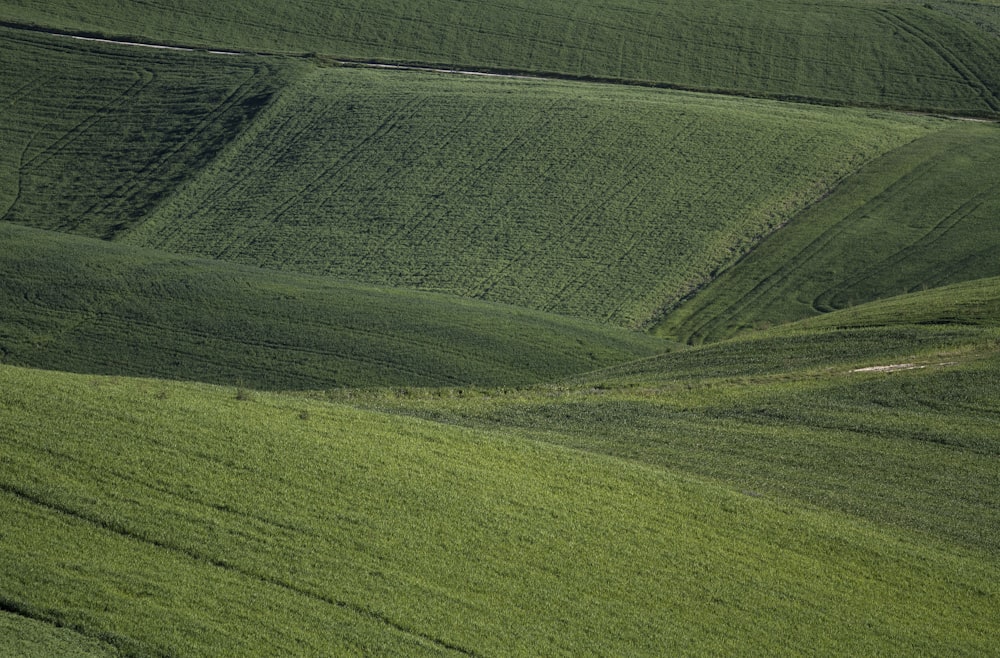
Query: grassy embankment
{"type": "Point", "coordinates": [587, 200]}
{"type": "Point", "coordinates": [163, 518]}
{"type": "Point", "coordinates": [83, 305]}
{"type": "Point", "coordinates": [937, 56]}
{"type": "Point", "coordinates": [920, 217]}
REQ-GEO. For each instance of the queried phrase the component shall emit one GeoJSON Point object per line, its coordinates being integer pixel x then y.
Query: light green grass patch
{"type": "Point", "coordinates": [201, 523]}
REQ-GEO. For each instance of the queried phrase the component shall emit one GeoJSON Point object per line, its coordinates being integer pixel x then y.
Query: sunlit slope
{"type": "Point", "coordinates": [94, 136]}
{"type": "Point", "coordinates": [920, 217]}
{"type": "Point", "coordinates": [887, 411]}
{"type": "Point", "coordinates": [177, 519]}
{"type": "Point", "coordinates": [939, 56]}
{"type": "Point", "coordinates": [587, 200]}
{"type": "Point", "coordinates": [70, 303]}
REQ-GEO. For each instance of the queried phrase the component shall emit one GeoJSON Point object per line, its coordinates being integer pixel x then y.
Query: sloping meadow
{"type": "Point", "coordinates": [927, 56]}
{"type": "Point", "coordinates": [167, 519]}
{"type": "Point", "coordinates": [94, 136]}
{"type": "Point", "coordinates": [587, 200]}
{"type": "Point", "coordinates": [84, 305]}
{"type": "Point", "coordinates": [915, 219]}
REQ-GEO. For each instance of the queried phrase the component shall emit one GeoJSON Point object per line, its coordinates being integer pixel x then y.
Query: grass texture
{"type": "Point", "coordinates": [919, 217]}
{"type": "Point", "coordinates": [78, 304]}
{"type": "Point", "coordinates": [929, 56]}
{"type": "Point", "coordinates": [168, 519]}
{"type": "Point", "coordinates": [799, 412]}
{"type": "Point", "coordinates": [95, 136]}
{"type": "Point", "coordinates": [593, 201]}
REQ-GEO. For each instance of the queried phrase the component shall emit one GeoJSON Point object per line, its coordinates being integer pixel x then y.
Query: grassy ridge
{"type": "Point", "coordinates": [71, 303]}
{"type": "Point", "coordinates": [168, 518]}
{"type": "Point", "coordinates": [94, 136]}
{"type": "Point", "coordinates": [920, 217]}
{"type": "Point", "coordinates": [909, 55]}
{"type": "Point", "coordinates": [789, 414]}
{"type": "Point", "coordinates": [586, 200]}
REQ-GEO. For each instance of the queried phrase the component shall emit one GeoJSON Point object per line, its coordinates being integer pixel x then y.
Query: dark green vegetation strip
{"type": "Point", "coordinates": [71, 303]}
{"type": "Point", "coordinates": [586, 200]}
{"type": "Point", "coordinates": [917, 218]}
{"type": "Point", "coordinates": [936, 56]}
{"type": "Point", "coordinates": [896, 423]}
{"type": "Point", "coordinates": [94, 136]}
{"type": "Point", "coordinates": [178, 519]}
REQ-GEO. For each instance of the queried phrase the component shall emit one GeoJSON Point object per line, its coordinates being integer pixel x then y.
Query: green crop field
{"type": "Point", "coordinates": [179, 519]}
{"type": "Point", "coordinates": [920, 217]}
{"type": "Point", "coordinates": [799, 412]}
{"type": "Point", "coordinates": [556, 328]}
{"type": "Point", "coordinates": [586, 200]}
{"type": "Point", "coordinates": [71, 303]}
{"type": "Point", "coordinates": [932, 56]}
{"type": "Point", "coordinates": [95, 136]}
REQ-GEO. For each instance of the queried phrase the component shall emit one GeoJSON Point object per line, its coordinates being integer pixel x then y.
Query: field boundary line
{"type": "Point", "coordinates": [501, 73]}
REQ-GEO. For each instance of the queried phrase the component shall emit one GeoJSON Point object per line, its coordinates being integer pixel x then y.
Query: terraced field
{"type": "Point", "coordinates": [937, 56]}
{"type": "Point", "coordinates": [591, 201]}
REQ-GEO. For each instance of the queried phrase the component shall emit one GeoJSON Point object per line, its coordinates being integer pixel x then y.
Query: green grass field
{"type": "Point", "coordinates": [587, 200]}
{"type": "Point", "coordinates": [94, 136]}
{"type": "Point", "coordinates": [303, 357]}
{"type": "Point", "coordinates": [792, 413]}
{"type": "Point", "coordinates": [937, 56]}
{"type": "Point", "coordinates": [177, 519]}
{"type": "Point", "coordinates": [920, 217]}
{"type": "Point", "coordinates": [71, 303]}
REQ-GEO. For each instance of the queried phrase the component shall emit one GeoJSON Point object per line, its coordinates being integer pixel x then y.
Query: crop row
{"type": "Point", "coordinates": [918, 218]}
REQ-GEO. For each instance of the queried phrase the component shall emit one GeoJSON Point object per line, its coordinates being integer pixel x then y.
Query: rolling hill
{"type": "Point", "coordinates": [938, 56]}
{"type": "Point", "coordinates": [920, 217]}
{"type": "Point", "coordinates": [83, 305]}
{"type": "Point", "coordinates": [161, 518]}
{"type": "Point", "coordinates": [532, 346]}
{"type": "Point", "coordinates": [94, 136]}
{"type": "Point", "coordinates": [887, 411]}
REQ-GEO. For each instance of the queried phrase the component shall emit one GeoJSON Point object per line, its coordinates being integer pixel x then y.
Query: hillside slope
{"type": "Point", "coordinates": [94, 136]}
{"type": "Point", "coordinates": [920, 217]}
{"type": "Point", "coordinates": [930, 56]}
{"type": "Point", "coordinates": [71, 303]}
{"type": "Point", "coordinates": [174, 519]}
{"type": "Point", "coordinates": [588, 200]}
{"type": "Point", "coordinates": [886, 411]}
